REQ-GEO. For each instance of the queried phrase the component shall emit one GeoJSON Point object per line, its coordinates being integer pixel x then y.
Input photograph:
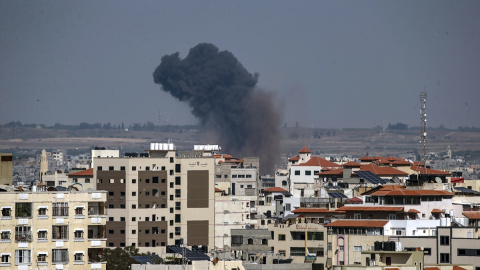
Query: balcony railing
{"type": "Point", "coordinates": [23, 237]}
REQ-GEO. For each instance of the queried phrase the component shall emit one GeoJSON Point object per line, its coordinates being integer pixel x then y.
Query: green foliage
{"type": "Point", "coordinates": [398, 126]}
{"type": "Point", "coordinates": [121, 258]}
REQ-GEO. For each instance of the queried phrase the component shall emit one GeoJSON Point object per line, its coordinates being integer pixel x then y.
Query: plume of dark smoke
{"type": "Point", "coordinates": [223, 96]}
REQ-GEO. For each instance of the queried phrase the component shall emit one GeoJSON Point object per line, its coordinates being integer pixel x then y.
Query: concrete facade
{"type": "Point", "coordinates": [47, 230]}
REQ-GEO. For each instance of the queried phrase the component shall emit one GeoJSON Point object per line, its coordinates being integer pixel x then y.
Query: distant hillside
{"type": "Point", "coordinates": [320, 141]}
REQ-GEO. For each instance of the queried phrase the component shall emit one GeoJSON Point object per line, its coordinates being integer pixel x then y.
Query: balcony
{"type": "Point", "coordinates": [23, 237]}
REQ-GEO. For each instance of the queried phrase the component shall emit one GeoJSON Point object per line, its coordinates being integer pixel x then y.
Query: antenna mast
{"type": "Point", "coordinates": [423, 124]}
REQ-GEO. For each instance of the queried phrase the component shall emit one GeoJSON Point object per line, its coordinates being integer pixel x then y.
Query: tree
{"type": "Point", "coordinates": [119, 258]}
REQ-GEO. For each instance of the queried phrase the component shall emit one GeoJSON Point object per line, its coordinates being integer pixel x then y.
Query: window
{"type": "Point", "coordinates": [110, 168]}
{"type": "Point", "coordinates": [308, 172]}
{"type": "Point", "coordinates": [177, 193]}
{"type": "Point", "coordinates": [444, 240]}
{"type": "Point", "coordinates": [134, 231]}
{"type": "Point", "coordinates": [78, 234]}
{"type": "Point", "coordinates": [78, 257]}
{"type": "Point", "coordinates": [392, 216]}
{"type": "Point", "coordinates": [177, 180]}
{"type": "Point", "coordinates": [134, 181]}
{"type": "Point", "coordinates": [23, 233]}
{"type": "Point", "coordinates": [177, 218]}
{"type": "Point", "coordinates": [237, 240]}
{"type": "Point", "coordinates": [42, 211]}
{"type": "Point", "coordinates": [147, 168]}
{"type": "Point", "coordinates": [99, 168]}
{"type": "Point", "coordinates": [5, 235]}
{"type": "Point", "coordinates": [444, 257]}
{"type": "Point", "coordinates": [122, 218]}
{"type": "Point", "coordinates": [59, 255]}
{"type": "Point", "coordinates": [427, 251]}
{"type": "Point", "coordinates": [177, 230]}
{"type": "Point", "coordinates": [134, 218]}
{"type": "Point", "coordinates": [281, 237]}
{"type": "Point", "coordinates": [134, 193]}
{"type": "Point", "coordinates": [23, 210]}
{"type": "Point", "coordinates": [154, 230]}
{"type": "Point", "coordinates": [122, 168]}
{"type": "Point", "coordinates": [134, 168]}
{"type": "Point", "coordinates": [23, 256]}
{"type": "Point", "coordinates": [171, 197]}
{"type": "Point", "coordinates": [42, 235]}
{"type": "Point", "coordinates": [284, 183]}
{"type": "Point", "coordinates": [60, 209]}
{"type": "Point", "coordinates": [171, 159]}
{"type": "Point", "coordinates": [357, 248]}
{"type": "Point", "coordinates": [357, 216]}
{"type": "Point", "coordinates": [178, 168]}
{"type": "Point", "coordinates": [6, 213]}
{"type": "Point", "coordinates": [110, 218]}
{"type": "Point", "coordinates": [155, 179]}
{"type": "Point", "coordinates": [264, 241]}
{"type": "Point", "coordinates": [78, 210]}
{"type": "Point", "coordinates": [60, 232]}
{"type": "Point", "coordinates": [297, 172]}
{"type": "Point", "coordinates": [177, 206]}
{"type": "Point", "coordinates": [5, 258]}
{"type": "Point", "coordinates": [134, 206]}
{"type": "Point", "coordinates": [250, 241]}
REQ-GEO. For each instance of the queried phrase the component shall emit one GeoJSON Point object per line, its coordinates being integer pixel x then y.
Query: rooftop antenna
{"type": "Point", "coordinates": [423, 124]}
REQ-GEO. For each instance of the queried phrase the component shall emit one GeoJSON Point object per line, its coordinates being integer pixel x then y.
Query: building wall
{"type": "Point", "coordinates": [287, 238]}
{"type": "Point", "coordinates": [165, 199]}
{"type": "Point", "coordinates": [85, 214]}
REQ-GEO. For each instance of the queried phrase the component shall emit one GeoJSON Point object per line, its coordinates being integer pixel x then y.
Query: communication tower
{"type": "Point", "coordinates": [423, 124]}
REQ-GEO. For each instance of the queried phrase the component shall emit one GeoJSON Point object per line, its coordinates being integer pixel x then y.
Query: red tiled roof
{"type": "Point", "coordinates": [218, 190]}
{"type": "Point", "coordinates": [274, 189]}
{"type": "Point", "coordinates": [432, 268]}
{"type": "Point", "coordinates": [383, 161]}
{"type": "Point", "coordinates": [319, 162]}
{"type": "Point", "coordinates": [311, 210]}
{"type": "Point", "coordinates": [366, 158]}
{"type": "Point", "coordinates": [423, 170]}
{"type": "Point", "coordinates": [372, 208]}
{"type": "Point", "coordinates": [294, 158]}
{"type": "Point", "coordinates": [401, 162]}
{"type": "Point", "coordinates": [472, 214]}
{"type": "Point", "coordinates": [391, 268]}
{"type": "Point", "coordinates": [396, 190]}
{"type": "Point", "coordinates": [437, 211]}
{"type": "Point", "coordinates": [355, 199]}
{"type": "Point", "coordinates": [351, 164]}
{"type": "Point", "coordinates": [304, 150]}
{"type": "Point", "coordinates": [381, 170]}
{"type": "Point", "coordinates": [88, 172]}
{"type": "Point", "coordinates": [415, 211]}
{"type": "Point", "coordinates": [390, 158]}
{"type": "Point", "coordinates": [456, 267]}
{"type": "Point", "coordinates": [358, 223]}
{"type": "Point", "coordinates": [337, 172]}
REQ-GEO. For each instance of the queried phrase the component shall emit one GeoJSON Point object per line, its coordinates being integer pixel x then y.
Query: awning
{"type": "Point", "coordinates": [42, 230]}
{"type": "Point", "coordinates": [78, 229]}
{"type": "Point", "coordinates": [6, 207]}
{"type": "Point", "coordinates": [80, 206]}
{"type": "Point", "coordinates": [81, 252]}
{"type": "Point", "coordinates": [42, 206]}
{"type": "Point", "coordinates": [42, 253]}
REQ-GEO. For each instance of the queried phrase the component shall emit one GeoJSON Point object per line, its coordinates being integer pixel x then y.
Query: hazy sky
{"type": "Point", "coordinates": [330, 63]}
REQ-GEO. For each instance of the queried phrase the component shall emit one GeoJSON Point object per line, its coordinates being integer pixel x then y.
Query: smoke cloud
{"type": "Point", "coordinates": [222, 95]}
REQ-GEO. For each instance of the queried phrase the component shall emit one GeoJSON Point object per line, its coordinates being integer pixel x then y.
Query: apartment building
{"type": "Point", "coordinates": [157, 198]}
{"type": "Point", "coordinates": [52, 230]}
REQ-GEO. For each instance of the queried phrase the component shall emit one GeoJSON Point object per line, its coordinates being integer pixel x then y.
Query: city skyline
{"type": "Point", "coordinates": [328, 64]}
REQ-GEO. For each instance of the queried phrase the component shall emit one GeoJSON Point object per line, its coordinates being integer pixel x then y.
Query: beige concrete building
{"type": "Point", "coordinates": [296, 241]}
{"type": "Point", "coordinates": [52, 230]}
{"type": "Point", "coordinates": [6, 168]}
{"type": "Point", "coordinates": [157, 198]}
